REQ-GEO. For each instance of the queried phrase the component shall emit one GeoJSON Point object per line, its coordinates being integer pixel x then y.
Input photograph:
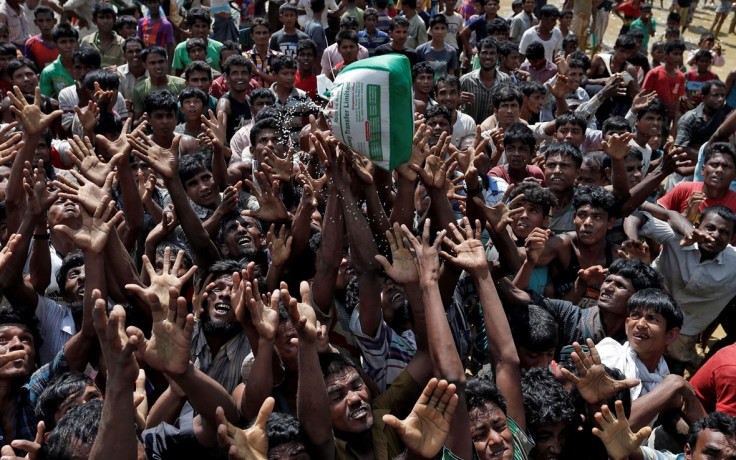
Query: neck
{"type": "Point", "coordinates": [489, 74]}
{"type": "Point", "coordinates": [564, 197]}
{"type": "Point", "coordinates": [290, 30]}
{"type": "Point", "coordinates": [641, 138]}
{"type": "Point", "coordinates": [525, 113]}
{"type": "Point", "coordinates": [590, 253]}
{"type": "Point", "coordinates": [396, 46]}
{"type": "Point", "coordinates": [160, 82]}
{"type": "Point", "coordinates": [193, 126]}
{"type": "Point", "coordinates": [156, 17]}
{"type": "Point", "coordinates": [612, 324]}
{"type": "Point", "coordinates": [162, 140]}
{"type": "Point", "coordinates": [670, 67]}
{"type": "Point", "coordinates": [137, 70]}
{"type": "Point", "coordinates": [262, 49]}
{"type": "Point", "coordinates": [714, 193]}
{"type": "Point", "coordinates": [518, 175]}
{"type": "Point", "coordinates": [66, 61]}
{"type": "Point", "coordinates": [708, 111]}
{"type": "Point", "coordinates": [240, 95]}
{"type": "Point", "coordinates": [424, 97]}
{"type": "Point", "coordinates": [215, 343]}
{"type": "Point", "coordinates": [62, 243]}
{"type": "Point", "coordinates": [306, 72]}
{"type": "Point", "coordinates": [48, 38]}
{"type": "Point", "coordinates": [409, 14]}
{"type": "Point", "coordinates": [650, 361]}
{"type": "Point", "coordinates": [106, 35]}
{"type": "Point", "coordinates": [282, 92]}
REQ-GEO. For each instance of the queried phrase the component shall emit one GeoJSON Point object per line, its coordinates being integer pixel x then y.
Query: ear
{"type": "Point", "coordinates": [611, 221]}
{"type": "Point", "coordinates": [608, 173]}
{"type": "Point", "coordinates": [545, 222]}
{"type": "Point", "coordinates": [672, 335]}
{"type": "Point", "coordinates": [688, 452]}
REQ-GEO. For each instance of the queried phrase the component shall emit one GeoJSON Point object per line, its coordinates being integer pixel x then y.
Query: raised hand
{"type": "Point", "coordinates": [34, 448]}
{"type": "Point", "coordinates": [560, 88]}
{"type": "Point", "coordinates": [426, 428]}
{"type": "Point", "coordinates": [92, 235]}
{"type": "Point", "coordinates": [535, 243]}
{"type": "Point", "coordinates": [84, 192]}
{"type": "Point", "coordinates": [317, 185]}
{"type": "Point", "coordinates": [434, 173]}
{"type": "Point", "coordinates": [426, 256]}
{"type": "Point", "coordinates": [693, 205]}
{"type": "Point", "coordinates": [643, 99]}
{"type": "Point", "coordinates": [105, 99]}
{"type": "Point", "coordinates": [84, 158]}
{"type": "Point", "coordinates": [163, 161]}
{"type": "Point", "coordinates": [119, 145]}
{"type": "Point", "coordinates": [217, 125]}
{"type": "Point", "coordinates": [282, 168]}
{"type": "Point", "coordinates": [594, 383]}
{"type": "Point", "coordinates": [10, 147]}
{"type": "Point", "coordinates": [612, 86]}
{"type": "Point", "coordinates": [634, 249]}
{"type": "Point", "coordinates": [40, 196]}
{"type": "Point", "coordinates": [363, 167]}
{"type": "Point", "coordinates": [419, 152]}
{"type": "Point", "coordinates": [301, 314]}
{"type": "Point", "coordinates": [616, 434]}
{"type": "Point", "coordinates": [271, 208]}
{"type": "Point", "coordinates": [164, 228]}
{"type": "Point", "coordinates": [465, 242]}
{"type": "Point", "coordinates": [162, 284]}
{"type": "Point", "coordinates": [279, 246]}
{"type": "Point", "coordinates": [34, 121]}
{"type": "Point", "coordinates": [265, 317]}
{"type": "Point", "coordinates": [402, 268]}
{"type": "Point", "coordinates": [674, 159]}
{"type": "Point", "coordinates": [250, 444]}
{"type": "Point", "coordinates": [6, 253]}
{"type": "Point", "coordinates": [89, 117]}
{"type": "Point", "coordinates": [499, 215]}
{"type": "Point", "coordinates": [618, 145]}
{"type": "Point", "coordinates": [117, 346]}
{"type": "Point", "coordinates": [696, 236]}
{"type": "Point", "coordinates": [592, 276]}
{"type": "Point", "coordinates": [200, 295]}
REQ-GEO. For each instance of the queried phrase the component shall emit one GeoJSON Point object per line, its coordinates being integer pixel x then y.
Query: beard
{"type": "Point", "coordinates": [220, 330]}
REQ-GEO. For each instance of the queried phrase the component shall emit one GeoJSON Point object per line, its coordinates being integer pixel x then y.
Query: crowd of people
{"type": "Point", "coordinates": [194, 266]}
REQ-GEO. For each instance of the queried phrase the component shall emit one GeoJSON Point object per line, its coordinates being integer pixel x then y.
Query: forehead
{"type": "Point", "coordinates": [437, 119]}
{"type": "Point", "coordinates": [713, 438]}
{"type": "Point", "coordinates": [342, 378]}
{"type": "Point", "coordinates": [718, 156]}
{"type": "Point", "coordinates": [446, 86]}
{"type": "Point", "coordinates": [154, 57]}
{"type": "Point", "coordinates": [487, 413]}
{"type": "Point", "coordinates": [618, 279]}
{"type": "Point", "coordinates": [714, 219]}
{"type": "Point", "coordinates": [570, 127]}
{"type": "Point", "coordinates": [560, 158]}
{"type": "Point", "coordinates": [12, 330]}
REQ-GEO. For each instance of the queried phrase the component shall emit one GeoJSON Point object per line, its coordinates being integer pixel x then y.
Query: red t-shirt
{"type": "Point", "coordinates": [309, 85]}
{"type": "Point", "coordinates": [629, 11]}
{"type": "Point", "coordinates": [715, 382]}
{"type": "Point", "coordinates": [669, 89]}
{"type": "Point", "coordinates": [531, 171]}
{"type": "Point", "coordinates": [676, 199]}
{"type": "Point", "coordinates": [694, 88]}
{"type": "Point", "coordinates": [40, 52]}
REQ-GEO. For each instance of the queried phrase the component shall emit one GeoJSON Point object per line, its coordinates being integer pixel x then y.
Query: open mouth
{"type": "Point", "coordinates": [222, 308]}
{"type": "Point", "coordinates": [359, 414]}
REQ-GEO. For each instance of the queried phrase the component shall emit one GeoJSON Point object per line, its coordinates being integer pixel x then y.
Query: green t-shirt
{"type": "Point", "coordinates": [54, 78]}
{"type": "Point", "coordinates": [141, 90]}
{"type": "Point", "coordinates": [181, 57]}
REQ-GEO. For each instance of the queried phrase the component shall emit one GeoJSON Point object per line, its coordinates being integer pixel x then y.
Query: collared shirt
{"type": "Point", "coordinates": [263, 63]}
{"type": "Point", "coordinates": [128, 80]}
{"type": "Point", "coordinates": [331, 57]}
{"type": "Point", "coordinates": [417, 32]}
{"type": "Point", "coordinates": [113, 55]}
{"type": "Point", "coordinates": [693, 130]}
{"type": "Point", "coordinates": [142, 88]}
{"type": "Point", "coordinates": [541, 75]}
{"type": "Point", "coordinates": [225, 366]}
{"type": "Point", "coordinates": [519, 24]}
{"type": "Point", "coordinates": [54, 78]}
{"type": "Point", "coordinates": [18, 31]}
{"type": "Point", "coordinates": [702, 289]}
{"type": "Point", "coordinates": [56, 326]}
{"type": "Point", "coordinates": [481, 108]}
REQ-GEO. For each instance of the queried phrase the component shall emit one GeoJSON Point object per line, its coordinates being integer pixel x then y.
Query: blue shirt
{"type": "Point", "coordinates": [371, 43]}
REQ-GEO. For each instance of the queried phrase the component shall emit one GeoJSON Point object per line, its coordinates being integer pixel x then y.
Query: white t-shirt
{"type": "Point", "coordinates": [464, 126]}
{"type": "Point", "coordinates": [454, 24]}
{"type": "Point", "coordinates": [551, 46]}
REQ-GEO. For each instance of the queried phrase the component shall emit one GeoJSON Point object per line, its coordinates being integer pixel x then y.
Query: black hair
{"type": "Point", "coordinates": [8, 49]}
{"type": "Point", "coordinates": [711, 83]}
{"type": "Point", "coordinates": [64, 30]}
{"type": "Point", "coordinates": [224, 267]}
{"type": "Point", "coordinates": [147, 51]}
{"type": "Point", "coordinates": [270, 111]}
{"type": "Point", "coordinates": [579, 55]}
{"type": "Point", "coordinates": [109, 123]}
{"type": "Point", "coordinates": [229, 45]}
{"type": "Point", "coordinates": [640, 275]}
{"type": "Point", "coordinates": [189, 92]}
{"type": "Point", "coordinates": [724, 212]}
{"type": "Point", "coordinates": [487, 43]}
{"type": "Point", "coordinates": [195, 43]}
{"type": "Point", "coordinates": [546, 402]}
{"type": "Point", "coordinates": [333, 363]}
{"type": "Point", "coordinates": [42, 10]}
{"type": "Point", "coordinates": [437, 19]}
{"type": "Point", "coordinates": [382, 4]}
{"type": "Point", "coordinates": [597, 161]}
{"type": "Point", "coordinates": [576, 64]}
{"type": "Point", "coordinates": [498, 26]}
{"type": "Point", "coordinates": [549, 10]}
{"type": "Point", "coordinates": [78, 426]}
{"type": "Point", "coordinates": [595, 197]}
{"type": "Point", "coordinates": [319, 5]}
{"type": "Point", "coordinates": [237, 60]}
{"type": "Point", "coordinates": [87, 55]}
{"type": "Point", "coordinates": [626, 42]}
{"type": "Point", "coordinates": [367, 12]}
{"type": "Point", "coordinates": [410, 3]}
{"type": "Point", "coordinates": [284, 428]}
{"type": "Point", "coordinates": [133, 40]}
{"type": "Point", "coordinates": [73, 260]}
{"type": "Point", "coordinates": [673, 45]}
{"type": "Point", "coordinates": [616, 123]}
{"type": "Point", "coordinates": [175, 246]}
{"type": "Point", "coordinates": [198, 14]}
{"type": "Point", "coordinates": [260, 93]}
{"type": "Point", "coordinates": [635, 34]}
{"type": "Point", "coordinates": [420, 68]}
{"type": "Point", "coordinates": [535, 194]}
{"type": "Point", "coordinates": [657, 301]}
{"type": "Point", "coordinates": [506, 93]}
{"type": "Point", "coordinates": [519, 132]}
{"type": "Point", "coordinates": [656, 107]}
{"type": "Point", "coordinates": [348, 21]}
{"type": "Point", "coordinates": [439, 110]}
{"type": "Point", "coordinates": [197, 66]}
{"type": "Point", "coordinates": [161, 99]}
{"type": "Point", "coordinates": [565, 12]}
{"type": "Point", "coordinates": [191, 165]}
{"type": "Point", "coordinates": [535, 50]}
{"type": "Point", "coordinates": [306, 44]}
{"type": "Point", "coordinates": [715, 421]}
{"type": "Point", "coordinates": [724, 148]}
{"type": "Point", "coordinates": [125, 20]}
{"type": "Point", "coordinates": [565, 149]}
{"type": "Point", "coordinates": [530, 87]}
{"type": "Point", "coordinates": [535, 329]}
{"type": "Point", "coordinates": [570, 118]}
{"type": "Point", "coordinates": [267, 123]}
{"type": "Point", "coordinates": [108, 80]}
{"type": "Point", "coordinates": [397, 21]}
{"type": "Point", "coordinates": [703, 54]}
{"type": "Point", "coordinates": [479, 392]}
{"type": "Point", "coordinates": [448, 80]}
{"type": "Point", "coordinates": [25, 319]}
{"type": "Point", "coordinates": [287, 7]}
{"type": "Point", "coordinates": [507, 47]}
{"type": "Point", "coordinates": [102, 8]}
{"type": "Point", "coordinates": [67, 385]}
{"type": "Point", "coordinates": [285, 62]}
{"type": "Point", "coordinates": [259, 21]}
{"type": "Point", "coordinates": [346, 34]}
{"type": "Point", "coordinates": [18, 63]}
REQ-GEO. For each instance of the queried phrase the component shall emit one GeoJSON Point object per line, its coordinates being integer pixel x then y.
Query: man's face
{"type": "Point", "coordinates": [712, 445]}
{"type": "Point", "coordinates": [197, 53]}
{"type": "Point", "coordinates": [202, 189]}
{"type": "Point", "coordinates": [591, 225]}
{"type": "Point", "coordinates": [491, 7]}
{"type": "Point", "coordinates": [529, 359]}
{"type": "Point", "coordinates": [438, 124]}
{"type": "Point", "coordinates": [488, 58]}
{"type": "Point", "coordinates": [192, 108]}
{"type": "Point", "coordinates": [267, 138]}
{"type": "Point", "coordinates": [287, 349]}
{"type": "Point", "coordinates": [560, 172]}
{"type": "Point", "coordinates": [512, 61]}
{"type": "Point", "coordinates": [674, 57]}
{"type": "Point", "coordinates": [537, 64]}
{"type": "Point", "coordinates": [16, 337]}
{"type": "Point", "coordinates": [633, 170]}
{"type": "Point", "coordinates": [571, 133]}
{"type": "Point", "coordinates": [393, 299]}
{"type": "Point", "coordinates": [293, 450]}
{"type": "Point", "coordinates": [590, 174]}
{"type": "Point", "coordinates": [63, 211]}
{"type": "Point", "coordinates": [66, 45]}
{"type": "Point", "coordinates": [528, 5]}
{"type": "Point", "coordinates": [136, 165]}
{"type": "Point", "coordinates": [156, 65]}
{"type": "Point", "coordinates": [658, 54]}
{"type": "Point", "coordinates": [80, 70]}
{"type": "Point", "coordinates": [566, 20]}
{"type": "Point", "coordinates": [650, 124]}
{"type": "Point", "coordinates": [448, 95]}
{"type": "Point", "coordinates": [163, 122]}
{"type": "Point", "coordinates": [508, 112]}
{"type": "Point", "coordinates": [288, 18]}
{"type": "Point", "coordinates": [200, 80]}
{"type": "Point", "coordinates": [715, 98]}
{"type": "Point", "coordinates": [438, 32]}
{"type": "Point", "coordinates": [74, 284]}
{"type": "Point", "coordinates": [305, 58]}
{"type": "Point", "coordinates": [258, 104]}
{"type": "Point", "coordinates": [530, 218]}
{"type": "Point", "coordinates": [399, 35]}
{"type": "Point", "coordinates": [615, 294]}
{"type": "Point", "coordinates": [224, 54]}
{"type": "Point", "coordinates": [348, 49]}
{"type": "Point", "coordinates": [717, 228]}
{"type": "Point", "coordinates": [647, 332]}
{"type": "Point", "coordinates": [549, 441]}
{"type": "Point", "coordinates": [350, 402]}
{"type": "Point", "coordinates": [286, 78]}
{"type": "Point", "coordinates": [518, 155]}
{"type": "Point", "coordinates": [105, 22]}
{"type": "Point", "coordinates": [491, 433]}
{"type": "Point", "coordinates": [719, 171]}
{"type": "Point", "coordinates": [25, 79]}
{"type": "Point", "coordinates": [623, 53]}
{"type": "Point", "coordinates": [548, 22]}
{"type": "Point", "coordinates": [534, 102]}
{"type": "Point", "coordinates": [133, 54]}
{"type": "Point", "coordinates": [158, 264]}
{"type": "Point", "coordinates": [45, 23]}
{"type": "Point", "coordinates": [242, 235]}
{"type": "Point", "coordinates": [238, 78]}
{"type": "Point", "coordinates": [200, 29]}
{"type": "Point", "coordinates": [90, 393]}
{"type": "Point", "coordinates": [575, 78]}
{"type": "Point", "coordinates": [424, 83]}
{"type": "Point", "coordinates": [260, 35]}
{"type": "Point", "coordinates": [219, 308]}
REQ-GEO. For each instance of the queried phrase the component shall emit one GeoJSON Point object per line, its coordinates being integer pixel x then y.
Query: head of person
{"type": "Point", "coordinates": [348, 395]}
{"type": "Point", "coordinates": [238, 70]}
{"type": "Point", "coordinates": [703, 60]}
{"type": "Point", "coordinates": [519, 145]}
{"type": "Point", "coordinates": [570, 127]}
{"type": "Point", "coordinates": [650, 119]}
{"type": "Point", "coordinates": [673, 20]}
{"type": "Point", "coordinates": [507, 100]}
{"type": "Point", "coordinates": [198, 74]}
{"type": "Point", "coordinates": [229, 48]}
{"type": "Point", "coordinates": [535, 335]}
{"type": "Point", "coordinates": [23, 73]}
{"type": "Point", "coordinates": [562, 162]}
{"type": "Point", "coordinates": [260, 30]}
{"type": "Point", "coordinates": [625, 47]}
{"type": "Point", "coordinates": [516, 6]}
{"type": "Point", "coordinates": [44, 19]}
{"type": "Point", "coordinates": [349, 23]}
{"type": "Point", "coordinates": [488, 53]}
{"type": "Point", "coordinates": [615, 125]}
{"type": "Point", "coordinates": [161, 107]}
{"type": "Point", "coordinates": [195, 173]}
{"type": "Point", "coordinates": [654, 322]}
{"type": "Point", "coordinates": [489, 427]}
{"type": "Point", "coordinates": [347, 45]}
{"type": "Point", "coordinates": [593, 170]}
{"type": "Point", "coordinates": [533, 92]}
{"type": "Point", "coordinates": [409, 7]}
{"type": "Point", "coordinates": [548, 16]}
{"type": "Point", "coordinates": [154, 58]}
{"type": "Point", "coordinates": [66, 39]}
{"type": "Point", "coordinates": [633, 164]}
{"type": "Point", "coordinates": [490, 7]}
{"type": "Point", "coordinates": [126, 26]}
{"type": "Point", "coordinates": [193, 103]}
{"type": "Point", "coordinates": [104, 15]}
{"type": "Point", "coordinates": [714, 93]}
{"type": "Point", "coordinates": [536, 205]}
{"type": "Point", "coordinates": [447, 91]}
{"type": "Point", "coordinates": [85, 59]}
{"type": "Point", "coordinates": [199, 21]}
{"type": "Point", "coordinates": [500, 29]}
{"type": "Point", "coordinates": [261, 98]}
{"type": "Point", "coordinates": [673, 50]}
{"type": "Point", "coordinates": [717, 222]}
{"type": "Point", "coordinates": [439, 120]}
{"type": "Point", "coordinates": [570, 44]}
{"type": "Point", "coordinates": [438, 27]}
{"type": "Point", "coordinates": [286, 438]}
{"type": "Point", "coordinates": [18, 333]}
{"type": "Point", "coordinates": [288, 15]}
{"type": "Point", "coordinates": [196, 49]}
{"type": "Point", "coordinates": [241, 236]}
{"type": "Point", "coordinates": [306, 54]}
{"type": "Point", "coordinates": [575, 74]}
{"type": "Point", "coordinates": [509, 57]}
{"type": "Point", "coordinates": [63, 393]}
{"type": "Point", "coordinates": [658, 52]}
{"type": "Point", "coordinates": [549, 412]}
{"type": "Point", "coordinates": [707, 40]}
{"type": "Point", "coordinates": [76, 432]}
{"type": "Point", "coordinates": [718, 167]}
{"type": "Point", "coordinates": [285, 69]}
{"type": "Point", "coordinates": [64, 211]}
{"type": "Point", "coordinates": [319, 6]}
{"type": "Point", "coordinates": [713, 436]}
{"type": "Point", "coordinates": [422, 76]}
{"type": "Point", "coordinates": [133, 50]}
{"type": "Point", "coordinates": [71, 277]}
{"type": "Point", "coordinates": [595, 213]}
{"type": "Point", "coordinates": [268, 132]}
{"type": "Point", "coordinates": [671, 33]}
{"type": "Point", "coordinates": [108, 81]}
{"type": "Point", "coordinates": [218, 317]}
{"type": "Point", "coordinates": [174, 247]}
{"type": "Point", "coordinates": [535, 54]}
{"type": "Point", "coordinates": [624, 278]}
{"type": "Point", "coordinates": [398, 29]}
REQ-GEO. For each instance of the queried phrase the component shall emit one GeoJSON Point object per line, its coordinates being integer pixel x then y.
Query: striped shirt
{"type": "Point", "coordinates": [18, 28]}
{"type": "Point", "coordinates": [56, 326]}
{"type": "Point", "coordinates": [481, 108]}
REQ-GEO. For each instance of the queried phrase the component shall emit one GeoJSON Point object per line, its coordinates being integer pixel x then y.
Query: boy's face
{"type": "Point", "coordinates": [566, 20]}
{"type": "Point", "coordinates": [105, 22]}
{"type": "Point", "coordinates": [80, 70]}
{"type": "Point", "coordinates": [529, 359]}
{"type": "Point", "coordinates": [438, 124]}
{"type": "Point", "coordinates": [45, 23]}
{"type": "Point", "coordinates": [133, 54]}
{"type": "Point", "coordinates": [508, 112]}
{"type": "Point", "coordinates": [570, 47]}
{"type": "Point", "coordinates": [192, 108]}
{"type": "Point", "coordinates": [548, 22]}
{"type": "Point", "coordinates": [66, 45]}
{"type": "Point", "coordinates": [530, 218]}
{"type": "Point", "coordinates": [707, 43]}
{"type": "Point", "coordinates": [305, 58]}
{"type": "Point", "coordinates": [202, 190]}
{"type": "Point", "coordinates": [200, 80]}
{"type": "Point", "coordinates": [512, 61]}
{"type": "Point", "coordinates": [288, 18]}
{"type": "Point", "coordinates": [156, 65]}
{"type": "Point", "coordinates": [260, 35]}
{"type": "Point", "coordinates": [370, 22]}
{"type": "Point", "coordinates": [447, 95]}
{"type": "Point", "coordinates": [537, 64]}
{"type": "Point", "coordinates": [449, 5]}
{"type": "Point", "coordinates": [528, 5]}
{"type": "Point", "coordinates": [658, 54]}
{"type": "Point", "coordinates": [560, 172]}
{"type": "Point", "coordinates": [518, 155]}
{"type": "Point", "coordinates": [197, 54]}
{"type": "Point", "coordinates": [25, 79]}
{"type": "Point", "coordinates": [574, 78]}
{"type": "Point", "coordinates": [590, 174]}
{"type": "Point", "coordinates": [200, 29]}
{"type": "Point", "coordinates": [703, 63]}
{"type": "Point", "coordinates": [424, 83]}
{"type": "Point", "coordinates": [238, 78]}
{"type": "Point", "coordinates": [633, 170]}
{"type": "Point", "coordinates": [674, 35]}
{"type": "Point", "coordinates": [128, 30]}
{"type": "Point", "coordinates": [622, 53]}
{"type": "Point", "coordinates": [224, 54]}
{"type": "Point", "coordinates": [674, 57]}
{"type": "Point", "coordinates": [348, 49]}
{"type": "Point", "coordinates": [491, 7]}
{"type": "Point", "coordinates": [286, 78]}
{"type": "Point", "coordinates": [163, 122]}
{"type": "Point", "coordinates": [646, 14]}
{"type": "Point", "coordinates": [650, 124]}
{"type": "Point", "coordinates": [438, 32]}
{"type": "Point", "coordinates": [592, 224]}
{"type": "Point", "coordinates": [534, 102]}
{"type": "Point", "coordinates": [399, 35]}
{"type": "Point", "coordinates": [256, 105]}
{"type": "Point", "coordinates": [647, 332]}
{"type": "Point", "coordinates": [571, 133]}
{"type": "Point", "coordinates": [549, 440]}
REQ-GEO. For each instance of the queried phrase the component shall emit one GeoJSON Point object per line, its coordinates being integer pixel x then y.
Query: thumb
{"type": "Point", "coordinates": [6, 450]}
{"type": "Point", "coordinates": [305, 291]}
{"type": "Point", "coordinates": [384, 262]}
{"type": "Point", "coordinates": [627, 384]}
{"type": "Point", "coordinates": [394, 423]}
{"type": "Point", "coordinates": [65, 230]}
{"type": "Point", "coordinates": [642, 435]}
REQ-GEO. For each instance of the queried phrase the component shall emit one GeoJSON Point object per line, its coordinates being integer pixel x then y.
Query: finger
{"type": "Point", "coordinates": [265, 412]}
{"type": "Point", "coordinates": [572, 378]}
{"type": "Point", "coordinates": [394, 423]}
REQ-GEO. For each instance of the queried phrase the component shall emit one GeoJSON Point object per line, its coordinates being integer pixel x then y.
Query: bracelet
{"type": "Point", "coordinates": [475, 191]}
{"type": "Point", "coordinates": [42, 236]}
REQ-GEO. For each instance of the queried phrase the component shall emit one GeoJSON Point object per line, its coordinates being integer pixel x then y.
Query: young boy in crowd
{"type": "Point", "coordinates": [534, 93]}
{"type": "Point", "coordinates": [126, 26]}
{"type": "Point", "coordinates": [234, 103]}
{"type": "Point", "coordinates": [107, 42]}
{"type": "Point", "coordinates": [399, 32]}
{"type": "Point", "coordinates": [199, 21]}
{"type": "Point", "coordinates": [646, 24]}
{"type": "Point", "coordinates": [347, 46]}
{"type": "Point", "coordinates": [261, 54]}
{"type": "Point", "coordinates": [371, 37]}
{"type": "Point", "coordinates": [155, 30]}
{"type": "Point", "coordinates": [155, 60]}
{"type": "Point", "coordinates": [422, 76]}
{"type": "Point", "coordinates": [192, 105]}
{"type": "Point", "coordinates": [58, 75]}
{"type": "Point", "coordinates": [384, 19]}
{"type": "Point", "coordinates": [286, 39]}
{"type": "Point", "coordinates": [351, 9]}
{"type": "Point", "coordinates": [41, 48]}
{"type": "Point", "coordinates": [668, 81]}
{"type": "Point", "coordinates": [306, 80]}
{"type": "Point", "coordinates": [519, 147]}
{"type": "Point", "coordinates": [290, 98]}
{"type": "Point", "coordinates": [198, 75]}
{"type": "Point", "coordinates": [219, 86]}
{"type": "Point", "coordinates": [441, 56]}
{"type": "Point", "coordinates": [695, 78]}
{"type": "Point", "coordinates": [447, 92]}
